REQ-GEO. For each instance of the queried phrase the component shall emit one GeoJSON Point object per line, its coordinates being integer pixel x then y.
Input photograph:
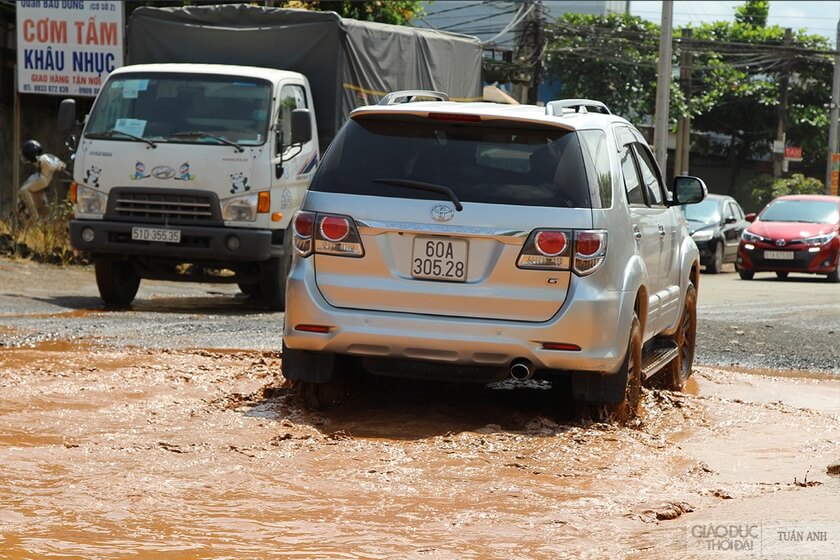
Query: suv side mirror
{"type": "Point", "coordinates": [301, 126]}
{"type": "Point", "coordinates": [730, 220]}
{"type": "Point", "coordinates": [67, 115]}
{"type": "Point", "coordinates": [688, 190]}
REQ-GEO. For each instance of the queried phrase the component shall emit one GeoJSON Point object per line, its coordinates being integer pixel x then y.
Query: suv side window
{"type": "Point", "coordinates": [650, 177]}
{"type": "Point", "coordinates": [735, 211]}
{"type": "Point", "coordinates": [291, 97]}
{"type": "Point", "coordinates": [596, 146]}
{"type": "Point", "coordinates": [631, 178]}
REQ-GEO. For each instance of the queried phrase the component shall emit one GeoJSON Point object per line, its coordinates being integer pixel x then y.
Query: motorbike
{"type": "Point", "coordinates": [33, 191]}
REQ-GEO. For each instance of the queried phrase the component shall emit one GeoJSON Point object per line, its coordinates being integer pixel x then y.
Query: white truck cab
{"type": "Point", "coordinates": [193, 172]}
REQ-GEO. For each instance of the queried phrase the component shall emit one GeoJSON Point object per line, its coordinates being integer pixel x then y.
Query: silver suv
{"type": "Point", "coordinates": [477, 242]}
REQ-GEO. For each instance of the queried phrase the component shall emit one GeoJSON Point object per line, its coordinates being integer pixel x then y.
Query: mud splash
{"type": "Point", "coordinates": [200, 454]}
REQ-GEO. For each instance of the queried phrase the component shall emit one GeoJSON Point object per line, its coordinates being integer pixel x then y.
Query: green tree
{"type": "Point", "coordinates": [736, 76]}
{"type": "Point", "coordinates": [610, 58]}
{"type": "Point", "coordinates": [397, 12]}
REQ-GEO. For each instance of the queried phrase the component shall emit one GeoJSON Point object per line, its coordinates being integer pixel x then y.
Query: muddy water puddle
{"type": "Point", "coordinates": [204, 454]}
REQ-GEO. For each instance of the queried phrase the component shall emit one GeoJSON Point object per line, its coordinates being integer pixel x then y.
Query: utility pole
{"type": "Point", "coordinates": [779, 166]}
{"type": "Point", "coordinates": [663, 83]}
{"type": "Point", "coordinates": [684, 123]}
{"type": "Point", "coordinates": [833, 114]}
{"type": "Point", "coordinates": [528, 50]}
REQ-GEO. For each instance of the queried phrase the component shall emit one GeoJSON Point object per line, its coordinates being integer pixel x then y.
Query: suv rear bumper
{"type": "Point", "coordinates": [197, 242]}
{"type": "Point", "coordinates": [595, 320]}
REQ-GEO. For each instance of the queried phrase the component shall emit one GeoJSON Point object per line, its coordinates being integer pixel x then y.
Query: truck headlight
{"type": "Point", "coordinates": [241, 208]}
{"type": "Point", "coordinates": [703, 235]}
{"type": "Point", "coordinates": [90, 201]}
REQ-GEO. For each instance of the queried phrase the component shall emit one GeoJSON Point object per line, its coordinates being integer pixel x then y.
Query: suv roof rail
{"type": "Point", "coordinates": [408, 96]}
{"type": "Point", "coordinates": [575, 106]}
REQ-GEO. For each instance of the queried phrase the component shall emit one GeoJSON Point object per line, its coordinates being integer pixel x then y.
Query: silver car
{"type": "Point", "coordinates": [478, 242]}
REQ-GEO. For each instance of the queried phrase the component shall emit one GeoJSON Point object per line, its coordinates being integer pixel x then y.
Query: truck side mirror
{"type": "Point", "coordinates": [67, 115]}
{"type": "Point", "coordinates": [301, 126]}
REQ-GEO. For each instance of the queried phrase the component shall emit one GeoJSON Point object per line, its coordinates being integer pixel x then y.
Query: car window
{"type": "Point", "coordinates": [798, 210]}
{"type": "Point", "coordinates": [595, 144]}
{"type": "Point", "coordinates": [291, 97]}
{"type": "Point", "coordinates": [650, 178]}
{"type": "Point", "coordinates": [729, 211]}
{"type": "Point", "coordinates": [631, 178]}
{"type": "Point", "coordinates": [480, 163]}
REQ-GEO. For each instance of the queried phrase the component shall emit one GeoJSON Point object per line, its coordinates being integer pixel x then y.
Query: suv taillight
{"type": "Point", "coordinates": [546, 249]}
{"type": "Point", "coordinates": [590, 251]}
{"type": "Point", "coordinates": [328, 234]}
{"type": "Point", "coordinates": [583, 251]}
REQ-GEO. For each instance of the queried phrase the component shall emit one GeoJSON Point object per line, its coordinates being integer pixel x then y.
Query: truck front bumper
{"type": "Point", "coordinates": [197, 242]}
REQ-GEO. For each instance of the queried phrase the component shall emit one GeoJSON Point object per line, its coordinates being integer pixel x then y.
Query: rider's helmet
{"type": "Point", "coordinates": [30, 151]}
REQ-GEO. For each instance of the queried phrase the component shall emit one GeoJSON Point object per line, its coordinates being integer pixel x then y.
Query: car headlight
{"type": "Point", "coordinates": [819, 239]}
{"type": "Point", "coordinates": [703, 235]}
{"type": "Point", "coordinates": [90, 201]}
{"type": "Point", "coordinates": [240, 208]}
{"type": "Point", "coordinates": [751, 237]}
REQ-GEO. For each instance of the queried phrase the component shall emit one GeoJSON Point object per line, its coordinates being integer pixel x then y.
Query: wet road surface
{"type": "Point", "coordinates": [110, 449]}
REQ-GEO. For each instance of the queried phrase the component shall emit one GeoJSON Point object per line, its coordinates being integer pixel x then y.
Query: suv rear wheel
{"type": "Point", "coordinates": [315, 379]}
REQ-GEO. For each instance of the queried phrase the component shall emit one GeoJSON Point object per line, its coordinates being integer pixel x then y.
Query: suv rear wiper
{"type": "Point", "coordinates": [419, 185]}
{"type": "Point", "coordinates": [202, 134]}
{"type": "Point", "coordinates": [111, 132]}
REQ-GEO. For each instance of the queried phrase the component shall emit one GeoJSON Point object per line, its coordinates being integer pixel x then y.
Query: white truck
{"type": "Point", "coordinates": [196, 155]}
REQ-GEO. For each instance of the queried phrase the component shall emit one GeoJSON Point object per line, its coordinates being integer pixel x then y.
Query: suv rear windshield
{"type": "Point", "coordinates": [479, 162]}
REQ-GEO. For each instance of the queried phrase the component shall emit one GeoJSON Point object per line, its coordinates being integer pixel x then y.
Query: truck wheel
{"type": "Point", "coordinates": [273, 280]}
{"type": "Point", "coordinates": [675, 374]}
{"type": "Point", "coordinates": [716, 265]}
{"type": "Point", "coordinates": [251, 290]}
{"type": "Point", "coordinates": [627, 409]}
{"type": "Point", "coordinates": [117, 281]}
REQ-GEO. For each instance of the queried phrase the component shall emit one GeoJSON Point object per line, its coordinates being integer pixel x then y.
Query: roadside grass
{"type": "Point", "coordinates": [45, 239]}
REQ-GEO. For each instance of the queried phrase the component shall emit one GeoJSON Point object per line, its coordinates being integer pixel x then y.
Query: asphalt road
{"type": "Point", "coordinates": [763, 323]}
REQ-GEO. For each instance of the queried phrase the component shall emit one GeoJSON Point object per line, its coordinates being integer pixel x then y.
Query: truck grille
{"type": "Point", "coordinates": [164, 206]}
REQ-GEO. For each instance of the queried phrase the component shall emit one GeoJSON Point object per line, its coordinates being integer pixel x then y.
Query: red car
{"type": "Point", "coordinates": [796, 233]}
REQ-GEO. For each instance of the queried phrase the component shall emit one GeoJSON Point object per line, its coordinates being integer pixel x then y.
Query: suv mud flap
{"type": "Point", "coordinates": [303, 365]}
{"type": "Point", "coordinates": [596, 387]}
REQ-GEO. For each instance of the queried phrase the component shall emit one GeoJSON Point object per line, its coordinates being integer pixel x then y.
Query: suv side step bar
{"type": "Point", "coordinates": [658, 355]}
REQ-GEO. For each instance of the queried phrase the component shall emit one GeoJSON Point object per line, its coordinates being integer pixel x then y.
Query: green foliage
{"type": "Point", "coordinates": [610, 58]}
{"type": "Point", "coordinates": [753, 12]}
{"type": "Point", "coordinates": [737, 70]}
{"type": "Point", "coordinates": [763, 188]}
{"type": "Point", "coordinates": [397, 12]}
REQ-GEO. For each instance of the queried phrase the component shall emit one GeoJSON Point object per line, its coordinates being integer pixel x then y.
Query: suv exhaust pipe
{"type": "Point", "coordinates": [521, 370]}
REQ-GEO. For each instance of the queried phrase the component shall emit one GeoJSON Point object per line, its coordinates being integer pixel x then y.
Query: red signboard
{"type": "Point", "coordinates": [793, 152]}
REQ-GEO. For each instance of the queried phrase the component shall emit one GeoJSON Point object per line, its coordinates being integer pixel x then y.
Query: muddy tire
{"type": "Point", "coordinates": [674, 375]}
{"type": "Point", "coordinates": [746, 274]}
{"type": "Point", "coordinates": [274, 272]}
{"type": "Point", "coordinates": [117, 281]}
{"type": "Point", "coordinates": [716, 265]}
{"type": "Point", "coordinates": [625, 411]}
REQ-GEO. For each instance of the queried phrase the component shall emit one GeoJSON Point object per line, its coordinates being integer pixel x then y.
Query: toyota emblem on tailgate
{"type": "Point", "coordinates": [442, 212]}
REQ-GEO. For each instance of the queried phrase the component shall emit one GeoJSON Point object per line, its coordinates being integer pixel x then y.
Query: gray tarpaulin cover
{"type": "Point", "coordinates": [347, 62]}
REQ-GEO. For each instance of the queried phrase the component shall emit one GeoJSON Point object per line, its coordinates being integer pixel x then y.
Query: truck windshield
{"type": "Point", "coordinates": [182, 108]}
{"type": "Point", "coordinates": [468, 162]}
